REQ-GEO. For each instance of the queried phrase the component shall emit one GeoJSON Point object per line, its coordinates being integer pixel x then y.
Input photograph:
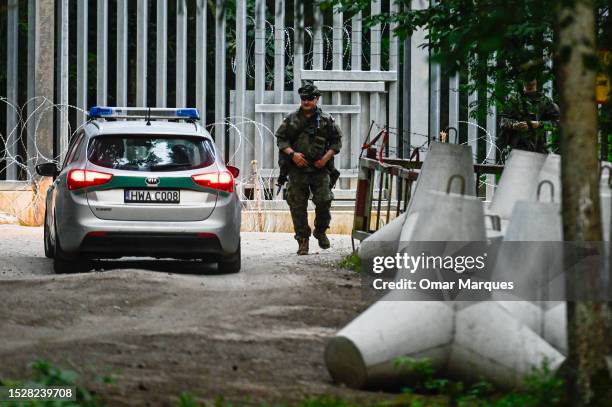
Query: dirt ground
{"type": "Point", "coordinates": [164, 327]}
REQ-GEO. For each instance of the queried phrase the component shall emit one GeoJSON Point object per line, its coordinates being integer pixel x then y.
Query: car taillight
{"type": "Point", "coordinates": [86, 178]}
{"type": "Point", "coordinates": [223, 181]}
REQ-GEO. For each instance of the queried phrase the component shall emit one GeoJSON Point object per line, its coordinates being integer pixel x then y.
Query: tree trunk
{"type": "Point", "coordinates": [588, 376]}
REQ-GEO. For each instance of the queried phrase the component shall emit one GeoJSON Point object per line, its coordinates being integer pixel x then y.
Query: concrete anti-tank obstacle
{"type": "Point", "coordinates": [550, 171]}
{"type": "Point", "coordinates": [363, 353]}
{"type": "Point", "coordinates": [442, 162]}
{"type": "Point", "coordinates": [517, 181]}
{"type": "Point", "coordinates": [456, 336]}
{"type": "Point", "coordinates": [535, 222]}
{"type": "Point", "coordinates": [384, 241]}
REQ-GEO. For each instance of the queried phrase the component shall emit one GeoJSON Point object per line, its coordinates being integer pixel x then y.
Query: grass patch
{"type": "Point", "coordinates": [541, 388]}
{"type": "Point", "coordinates": [44, 374]}
{"type": "Point", "coordinates": [351, 262]}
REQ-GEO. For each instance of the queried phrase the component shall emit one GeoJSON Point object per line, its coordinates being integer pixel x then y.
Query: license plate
{"type": "Point", "coordinates": [152, 196]}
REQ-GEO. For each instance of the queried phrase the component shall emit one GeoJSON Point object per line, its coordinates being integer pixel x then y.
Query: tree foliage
{"type": "Point", "coordinates": [502, 40]}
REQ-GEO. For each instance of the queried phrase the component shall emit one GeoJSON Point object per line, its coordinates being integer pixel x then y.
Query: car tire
{"type": "Point", "coordinates": [66, 264]}
{"type": "Point", "coordinates": [230, 264]}
{"type": "Point", "coordinates": [49, 249]}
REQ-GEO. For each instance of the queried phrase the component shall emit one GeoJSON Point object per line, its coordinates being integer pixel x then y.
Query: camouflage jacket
{"type": "Point", "coordinates": [528, 108]}
{"type": "Point", "coordinates": [311, 136]}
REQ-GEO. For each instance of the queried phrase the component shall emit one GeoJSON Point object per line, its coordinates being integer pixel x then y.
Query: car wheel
{"type": "Point", "coordinates": [49, 250]}
{"type": "Point", "coordinates": [231, 264]}
{"type": "Point", "coordinates": [66, 264]}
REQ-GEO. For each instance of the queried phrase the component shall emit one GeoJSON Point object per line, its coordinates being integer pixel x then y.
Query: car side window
{"type": "Point", "coordinates": [72, 149]}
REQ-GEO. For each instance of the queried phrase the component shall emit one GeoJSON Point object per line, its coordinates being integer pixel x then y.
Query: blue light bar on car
{"type": "Point", "coordinates": [190, 113]}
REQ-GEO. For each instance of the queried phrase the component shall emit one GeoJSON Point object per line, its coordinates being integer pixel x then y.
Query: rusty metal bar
{"type": "Point", "coordinates": [380, 188]}
{"type": "Point", "coordinates": [389, 196]}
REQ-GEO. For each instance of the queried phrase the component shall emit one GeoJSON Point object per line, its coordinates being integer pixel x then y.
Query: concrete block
{"type": "Point", "coordinates": [517, 181]}
{"type": "Point", "coordinates": [363, 353]}
{"type": "Point", "coordinates": [555, 325]}
{"type": "Point", "coordinates": [442, 162]}
{"type": "Point", "coordinates": [490, 343]}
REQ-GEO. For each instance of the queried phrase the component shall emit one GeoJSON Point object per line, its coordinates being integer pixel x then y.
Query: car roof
{"type": "Point", "coordinates": [141, 127]}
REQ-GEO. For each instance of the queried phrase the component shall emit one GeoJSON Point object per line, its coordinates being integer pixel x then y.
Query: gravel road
{"type": "Point", "coordinates": [164, 327]}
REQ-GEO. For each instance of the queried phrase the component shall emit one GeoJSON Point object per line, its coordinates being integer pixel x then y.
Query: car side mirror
{"type": "Point", "coordinates": [234, 170]}
{"type": "Point", "coordinates": [47, 170]}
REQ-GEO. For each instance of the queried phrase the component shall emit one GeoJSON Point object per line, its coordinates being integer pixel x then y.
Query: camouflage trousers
{"type": "Point", "coordinates": [301, 184]}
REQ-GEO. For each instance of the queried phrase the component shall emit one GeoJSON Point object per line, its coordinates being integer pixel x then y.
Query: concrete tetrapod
{"type": "Point", "coordinates": [536, 271]}
{"type": "Point", "coordinates": [463, 339]}
{"type": "Point", "coordinates": [550, 171]}
{"type": "Point", "coordinates": [517, 181]}
{"type": "Point", "coordinates": [442, 162]}
{"type": "Point", "coordinates": [383, 242]}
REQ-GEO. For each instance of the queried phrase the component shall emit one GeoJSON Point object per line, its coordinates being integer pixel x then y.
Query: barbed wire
{"type": "Point", "coordinates": [308, 53]}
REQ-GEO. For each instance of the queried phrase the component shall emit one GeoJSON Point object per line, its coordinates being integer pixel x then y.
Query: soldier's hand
{"type": "Point", "coordinates": [535, 125]}
{"type": "Point", "coordinates": [299, 160]}
{"type": "Point", "coordinates": [320, 163]}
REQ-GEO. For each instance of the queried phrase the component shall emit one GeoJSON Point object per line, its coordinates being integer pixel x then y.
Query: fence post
{"type": "Point", "coordinates": [41, 49]}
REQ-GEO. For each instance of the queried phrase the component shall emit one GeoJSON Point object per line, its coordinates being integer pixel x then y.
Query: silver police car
{"type": "Point", "coordinates": [142, 182]}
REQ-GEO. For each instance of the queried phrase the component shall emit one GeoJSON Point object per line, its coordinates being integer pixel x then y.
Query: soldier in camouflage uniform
{"type": "Point", "coordinates": [526, 118]}
{"type": "Point", "coordinates": [310, 138]}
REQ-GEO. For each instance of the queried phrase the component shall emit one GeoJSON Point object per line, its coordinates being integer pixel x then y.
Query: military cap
{"type": "Point", "coordinates": [309, 90]}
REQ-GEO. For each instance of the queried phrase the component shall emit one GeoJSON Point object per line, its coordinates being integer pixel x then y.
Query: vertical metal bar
{"type": "Point", "coordinates": [402, 186]}
{"type": "Point", "coordinates": [337, 40]}
{"type": "Point", "coordinates": [491, 149]}
{"type": "Point", "coordinates": [260, 73]}
{"type": "Point", "coordinates": [453, 101]}
{"type": "Point", "coordinates": [375, 53]}
{"type": "Point", "coordinates": [62, 80]}
{"type": "Point", "coordinates": [102, 53]}
{"type": "Point", "coordinates": [122, 11]}
{"type": "Point", "coordinates": [41, 51]}
{"type": "Point", "coordinates": [12, 88]}
{"type": "Point", "coordinates": [32, 103]}
{"type": "Point", "coordinates": [393, 86]}
{"type": "Point", "coordinates": [181, 53]}
{"type": "Point", "coordinates": [389, 197]}
{"type": "Point", "coordinates": [141, 53]}
{"type": "Point", "coordinates": [434, 100]}
{"type": "Point", "coordinates": [279, 61]}
{"type": "Point", "coordinates": [434, 96]}
{"type": "Point", "coordinates": [298, 40]}
{"type": "Point", "coordinates": [317, 41]}
{"type": "Point", "coordinates": [241, 63]}
{"type": "Point", "coordinates": [161, 60]}
{"type": "Point", "coordinates": [382, 175]}
{"type": "Point", "coordinates": [406, 107]}
{"type": "Point", "coordinates": [375, 37]}
{"type": "Point", "coordinates": [419, 83]}
{"type": "Point", "coordinates": [472, 129]}
{"type": "Point", "coordinates": [220, 60]}
{"type": "Point", "coordinates": [82, 30]}
{"type": "Point", "coordinates": [337, 64]}
{"type": "Point", "coordinates": [356, 51]}
{"type": "Point", "coordinates": [201, 13]}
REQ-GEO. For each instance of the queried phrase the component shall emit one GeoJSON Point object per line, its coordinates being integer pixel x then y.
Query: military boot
{"type": "Point", "coordinates": [323, 240]}
{"type": "Point", "coordinates": [303, 249]}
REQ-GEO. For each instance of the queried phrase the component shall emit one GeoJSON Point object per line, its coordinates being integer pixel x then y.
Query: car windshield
{"type": "Point", "coordinates": [150, 152]}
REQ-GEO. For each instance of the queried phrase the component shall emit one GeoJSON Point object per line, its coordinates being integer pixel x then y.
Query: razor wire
{"type": "Point", "coordinates": [308, 54]}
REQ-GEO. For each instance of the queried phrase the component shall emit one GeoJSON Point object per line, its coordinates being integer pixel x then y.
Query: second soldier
{"type": "Point", "coordinates": [309, 138]}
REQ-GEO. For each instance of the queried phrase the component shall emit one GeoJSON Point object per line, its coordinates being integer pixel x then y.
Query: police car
{"type": "Point", "coordinates": [142, 182]}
